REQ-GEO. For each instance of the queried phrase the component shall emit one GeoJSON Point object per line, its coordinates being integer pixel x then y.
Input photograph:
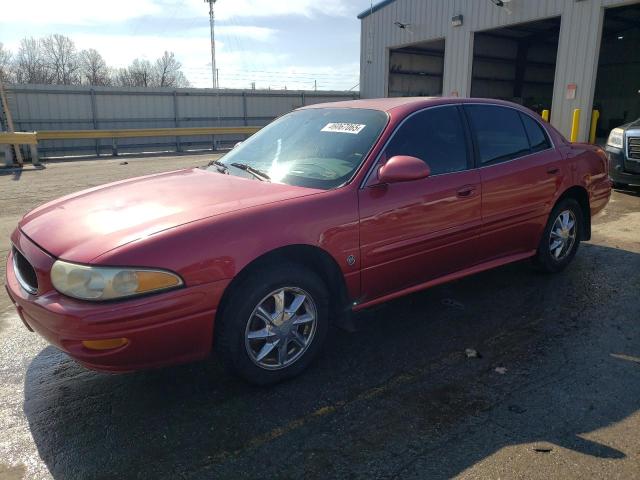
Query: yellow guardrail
{"type": "Point", "coordinates": [142, 132]}
{"type": "Point", "coordinates": [18, 138]}
{"type": "Point", "coordinates": [32, 138]}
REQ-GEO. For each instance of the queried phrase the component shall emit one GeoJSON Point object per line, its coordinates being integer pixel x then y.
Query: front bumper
{"type": "Point", "coordinates": [621, 170]}
{"type": "Point", "coordinates": [164, 329]}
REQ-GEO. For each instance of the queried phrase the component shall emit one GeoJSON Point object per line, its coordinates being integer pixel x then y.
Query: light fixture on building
{"type": "Point", "coordinates": [620, 37]}
{"type": "Point", "coordinates": [456, 21]}
{"type": "Point", "coordinates": [402, 26]}
{"type": "Point", "coordinates": [502, 3]}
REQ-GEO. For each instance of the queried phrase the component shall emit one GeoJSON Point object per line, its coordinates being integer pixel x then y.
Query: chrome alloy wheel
{"type": "Point", "coordinates": [563, 235]}
{"type": "Point", "coordinates": [281, 328]}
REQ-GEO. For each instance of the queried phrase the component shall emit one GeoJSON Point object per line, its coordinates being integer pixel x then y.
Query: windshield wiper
{"type": "Point", "coordinates": [259, 174]}
{"type": "Point", "coordinates": [222, 168]}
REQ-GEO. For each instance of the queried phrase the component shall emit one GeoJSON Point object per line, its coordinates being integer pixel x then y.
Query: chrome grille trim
{"type": "Point", "coordinates": [633, 147]}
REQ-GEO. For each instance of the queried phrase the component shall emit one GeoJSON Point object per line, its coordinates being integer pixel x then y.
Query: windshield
{"type": "Point", "coordinates": [316, 148]}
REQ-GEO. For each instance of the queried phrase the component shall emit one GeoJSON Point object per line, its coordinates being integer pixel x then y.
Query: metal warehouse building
{"type": "Point", "coordinates": [559, 55]}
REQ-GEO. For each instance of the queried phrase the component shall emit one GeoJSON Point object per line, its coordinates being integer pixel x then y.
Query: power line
{"type": "Point", "coordinates": [284, 72]}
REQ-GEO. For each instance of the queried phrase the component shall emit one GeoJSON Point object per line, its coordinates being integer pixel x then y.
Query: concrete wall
{"type": "Point", "coordinates": [46, 107]}
{"type": "Point", "coordinates": [577, 57]}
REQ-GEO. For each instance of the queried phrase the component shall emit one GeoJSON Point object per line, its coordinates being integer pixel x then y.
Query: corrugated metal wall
{"type": "Point", "coordinates": [40, 107]}
{"type": "Point", "coordinates": [577, 59]}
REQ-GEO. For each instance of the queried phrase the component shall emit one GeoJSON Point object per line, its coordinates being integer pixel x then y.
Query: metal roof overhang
{"type": "Point", "coordinates": [375, 8]}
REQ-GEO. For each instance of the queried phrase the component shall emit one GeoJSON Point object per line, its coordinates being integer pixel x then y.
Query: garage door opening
{"type": "Point", "coordinates": [517, 63]}
{"type": "Point", "coordinates": [617, 94]}
{"type": "Point", "coordinates": [416, 70]}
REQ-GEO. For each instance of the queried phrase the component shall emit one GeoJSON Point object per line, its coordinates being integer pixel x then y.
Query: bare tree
{"type": "Point", "coordinates": [55, 60]}
{"type": "Point", "coordinates": [121, 78]}
{"type": "Point", "coordinates": [139, 74]}
{"type": "Point", "coordinates": [6, 67]}
{"type": "Point", "coordinates": [61, 59]}
{"type": "Point", "coordinates": [93, 68]}
{"type": "Point", "coordinates": [29, 65]}
{"type": "Point", "coordinates": [167, 70]}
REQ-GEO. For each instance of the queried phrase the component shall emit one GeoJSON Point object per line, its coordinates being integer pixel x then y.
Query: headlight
{"type": "Point", "coordinates": [616, 138]}
{"type": "Point", "coordinates": [108, 283]}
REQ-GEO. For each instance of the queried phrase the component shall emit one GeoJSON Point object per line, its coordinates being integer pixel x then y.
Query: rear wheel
{"type": "Point", "coordinates": [274, 324]}
{"type": "Point", "coordinates": [561, 236]}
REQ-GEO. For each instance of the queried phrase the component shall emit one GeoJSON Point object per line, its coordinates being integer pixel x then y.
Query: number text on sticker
{"type": "Point", "coordinates": [353, 128]}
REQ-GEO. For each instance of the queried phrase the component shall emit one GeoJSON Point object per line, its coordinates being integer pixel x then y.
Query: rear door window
{"type": "Point", "coordinates": [499, 133]}
{"type": "Point", "coordinates": [436, 136]}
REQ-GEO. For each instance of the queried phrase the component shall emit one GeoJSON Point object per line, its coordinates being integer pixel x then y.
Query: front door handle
{"type": "Point", "coordinates": [553, 170]}
{"type": "Point", "coordinates": [466, 191]}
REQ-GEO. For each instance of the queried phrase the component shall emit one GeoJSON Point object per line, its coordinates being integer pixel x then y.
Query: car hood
{"type": "Point", "coordinates": [633, 125]}
{"type": "Point", "coordinates": [84, 225]}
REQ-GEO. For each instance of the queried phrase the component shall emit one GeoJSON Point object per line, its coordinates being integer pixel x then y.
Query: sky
{"type": "Point", "coordinates": [275, 43]}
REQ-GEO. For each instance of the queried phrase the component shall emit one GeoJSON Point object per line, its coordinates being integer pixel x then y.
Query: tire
{"type": "Point", "coordinates": [243, 332]}
{"type": "Point", "coordinates": [619, 186]}
{"type": "Point", "coordinates": [553, 260]}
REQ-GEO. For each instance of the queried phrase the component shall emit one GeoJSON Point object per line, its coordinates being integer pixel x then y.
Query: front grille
{"type": "Point", "coordinates": [634, 147]}
{"type": "Point", "coordinates": [25, 273]}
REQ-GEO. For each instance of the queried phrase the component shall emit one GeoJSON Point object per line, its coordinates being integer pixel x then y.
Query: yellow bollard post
{"type": "Point", "coordinates": [595, 116]}
{"type": "Point", "coordinates": [575, 125]}
{"type": "Point", "coordinates": [545, 115]}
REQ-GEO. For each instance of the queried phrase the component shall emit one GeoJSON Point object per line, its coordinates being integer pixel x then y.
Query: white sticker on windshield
{"type": "Point", "coordinates": [353, 128]}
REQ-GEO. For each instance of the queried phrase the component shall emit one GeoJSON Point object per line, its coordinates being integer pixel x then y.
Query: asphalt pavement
{"type": "Point", "coordinates": [554, 391]}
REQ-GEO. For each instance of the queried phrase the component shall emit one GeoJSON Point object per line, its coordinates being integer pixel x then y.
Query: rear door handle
{"type": "Point", "coordinates": [466, 191]}
{"type": "Point", "coordinates": [553, 170]}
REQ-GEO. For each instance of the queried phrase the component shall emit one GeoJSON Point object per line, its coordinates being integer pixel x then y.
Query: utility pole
{"type": "Point", "coordinates": [212, 22]}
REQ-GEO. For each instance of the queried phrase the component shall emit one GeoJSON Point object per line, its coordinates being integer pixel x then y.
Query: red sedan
{"type": "Point", "coordinates": [328, 210]}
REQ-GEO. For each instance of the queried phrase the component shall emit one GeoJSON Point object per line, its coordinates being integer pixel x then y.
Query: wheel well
{"type": "Point", "coordinates": [311, 257]}
{"type": "Point", "coordinates": [582, 197]}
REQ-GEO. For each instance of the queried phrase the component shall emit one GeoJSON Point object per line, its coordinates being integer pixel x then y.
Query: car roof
{"type": "Point", "coordinates": [400, 107]}
{"type": "Point", "coordinates": [382, 104]}
{"type": "Point", "coordinates": [407, 104]}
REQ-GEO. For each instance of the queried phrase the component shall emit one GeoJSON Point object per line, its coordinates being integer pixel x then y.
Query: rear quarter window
{"type": "Point", "coordinates": [537, 137]}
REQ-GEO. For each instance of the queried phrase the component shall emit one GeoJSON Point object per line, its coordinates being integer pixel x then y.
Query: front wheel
{"type": "Point", "coordinates": [274, 324]}
{"type": "Point", "coordinates": [561, 236]}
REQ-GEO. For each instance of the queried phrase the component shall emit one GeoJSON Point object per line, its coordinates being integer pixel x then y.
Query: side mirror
{"type": "Point", "coordinates": [236, 145]}
{"type": "Point", "coordinates": [403, 168]}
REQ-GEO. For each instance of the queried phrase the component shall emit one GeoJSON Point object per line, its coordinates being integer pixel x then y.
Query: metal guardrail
{"type": "Point", "coordinates": [32, 138]}
{"type": "Point", "coordinates": [18, 138]}
{"type": "Point", "coordinates": [142, 132]}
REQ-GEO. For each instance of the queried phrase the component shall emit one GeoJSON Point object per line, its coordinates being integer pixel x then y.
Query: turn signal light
{"type": "Point", "coordinates": [106, 344]}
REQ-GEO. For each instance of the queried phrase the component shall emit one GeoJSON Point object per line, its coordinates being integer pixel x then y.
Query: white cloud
{"type": "Point", "coordinates": [193, 53]}
{"type": "Point", "coordinates": [255, 33]}
{"type": "Point", "coordinates": [227, 9]}
{"type": "Point", "coordinates": [120, 50]}
{"type": "Point", "coordinates": [75, 12]}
